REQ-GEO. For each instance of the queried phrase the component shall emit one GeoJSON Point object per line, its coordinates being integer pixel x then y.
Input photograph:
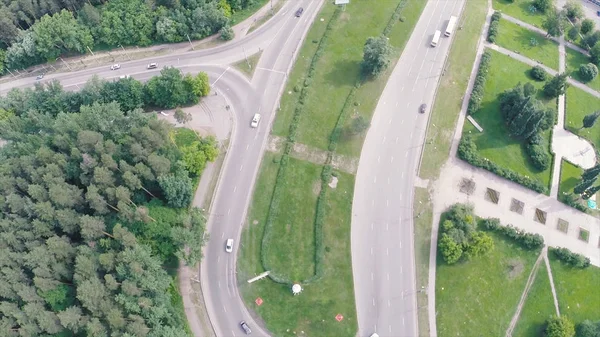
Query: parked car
{"type": "Point", "coordinates": [255, 121]}
{"type": "Point", "coordinates": [299, 12]}
{"type": "Point", "coordinates": [245, 327]}
{"type": "Point", "coordinates": [115, 66]}
{"type": "Point", "coordinates": [152, 65]}
{"type": "Point", "coordinates": [423, 108]}
{"type": "Point", "coordinates": [229, 245]}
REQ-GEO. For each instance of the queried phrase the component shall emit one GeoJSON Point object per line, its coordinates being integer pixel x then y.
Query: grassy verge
{"type": "Point", "coordinates": [520, 9]}
{"type": "Point", "coordinates": [481, 295]}
{"type": "Point", "coordinates": [494, 142]}
{"type": "Point", "coordinates": [423, 211]}
{"type": "Point", "coordinates": [538, 307]}
{"type": "Point", "coordinates": [574, 59]}
{"type": "Point", "coordinates": [338, 71]}
{"type": "Point", "coordinates": [313, 311]}
{"type": "Point", "coordinates": [248, 67]}
{"type": "Point", "coordinates": [245, 13]}
{"type": "Point", "coordinates": [452, 87]}
{"type": "Point", "coordinates": [577, 291]}
{"type": "Point", "coordinates": [269, 14]}
{"type": "Point", "coordinates": [579, 104]}
{"type": "Point", "coordinates": [519, 39]}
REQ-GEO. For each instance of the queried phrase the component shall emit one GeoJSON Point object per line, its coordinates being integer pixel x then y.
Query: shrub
{"type": "Point", "coordinates": [571, 199]}
{"type": "Point", "coordinates": [587, 25]}
{"type": "Point", "coordinates": [526, 240]}
{"type": "Point", "coordinates": [568, 257]}
{"type": "Point", "coordinates": [478, 87]}
{"type": "Point", "coordinates": [538, 73]}
{"type": "Point", "coordinates": [559, 327]}
{"type": "Point", "coordinates": [588, 72]}
{"type": "Point", "coordinates": [226, 33]}
{"type": "Point", "coordinates": [493, 29]}
{"type": "Point", "coordinates": [538, 155]}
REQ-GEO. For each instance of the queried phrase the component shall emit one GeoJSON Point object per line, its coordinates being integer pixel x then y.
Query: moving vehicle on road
{"type": "Point", "coordinates": [451, 25]}
{"type": "Point", "coordinates": [423, 108]}
{"type": "Point", "coordinates": [229, 245]}
{"type": "Point", "coordinates": [255, 121]}
{"type": "Point", "coordinates": [245, 327]}
{"type": "Point", "coordinates": [436, 38]}
{"type": "Point", "coordinates": [153, 65]}
{"type": "Point", "coordinates": [115, 66]}
{"type": "Point", "coordinates": [39, 77]}
{"type": "Point", "coordinates": [299, 12]}
{"type": "Point", "coordinates": [374, 334]}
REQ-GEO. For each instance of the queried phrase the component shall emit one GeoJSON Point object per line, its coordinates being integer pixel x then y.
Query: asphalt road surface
{"type": "Point", "coordinates": [382, 214]}
{"type": "Point", "coordinates": [279, 39]}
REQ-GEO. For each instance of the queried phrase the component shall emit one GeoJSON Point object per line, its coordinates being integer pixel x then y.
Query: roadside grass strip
{"type": "Point", "coordinates": [423, 212]}
{"type": "Point", "coordinates": [494, 143]}
{"type": "Point", "coordinates": [538, 307]}
{"type": "Point", "coordinates": [574, 60]}
{"type": "Point", "coordinates": [577, 290]}
{"type": "Point", "coordinates": [520, 9]}
{"type": "Point", "coordinates": [481, 295]}
{"type": "Point", "coordinates": [528, 43]}
{"type": "Point", "coordinates": [452, 87]}
{"type": "Point", "coordinates": [579, 104]}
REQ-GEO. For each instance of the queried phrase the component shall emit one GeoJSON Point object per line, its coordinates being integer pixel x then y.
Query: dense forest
{"type": "Point", "coordinates": [32, 32]}
{"type": "Point", "coordinates": [95, 213]}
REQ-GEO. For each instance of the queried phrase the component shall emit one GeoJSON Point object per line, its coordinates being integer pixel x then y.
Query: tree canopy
{"type": "Point", "coordinates": [376, 55]}
{"type": "Point", "coordinates": [82, 249]}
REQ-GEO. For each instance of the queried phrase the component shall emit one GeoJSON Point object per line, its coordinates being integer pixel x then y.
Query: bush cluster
{"type": "Point", "coordinates": [526, 240]}
{"type": "Point", "coordinates": [479, 86]}
{"type": "Point", "coordinates": [538, 153]}
{"type": "Point", "coordinates": [493, 30]}
{"type": "Point", "coordinates": [467, 151]}
{"type": "Point", "coordinates": [570, 258]}
{"type": "Point", "coordinates": [571, 200]}
{"type": "Point", "coordinates": [538, 73]}
{"type": "Point", "coordinates": [281, 176]}
{"type": "Point", "coordinates": [588, 72]}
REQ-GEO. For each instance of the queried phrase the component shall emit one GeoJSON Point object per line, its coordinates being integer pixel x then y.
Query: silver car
{"type": "Point", "coordinates": [245, 327]}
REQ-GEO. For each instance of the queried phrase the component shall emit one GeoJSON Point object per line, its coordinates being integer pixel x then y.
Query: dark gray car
{"type": "Point", "coordinates": [423, 108]}
{"type": "Point", "coordinates": [245, 327]}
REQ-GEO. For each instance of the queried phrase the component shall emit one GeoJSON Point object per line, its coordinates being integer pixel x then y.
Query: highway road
{"type": "Point", "coordinates": [279, 39]}
{"type": "Point", "coordinates": [383, 259]}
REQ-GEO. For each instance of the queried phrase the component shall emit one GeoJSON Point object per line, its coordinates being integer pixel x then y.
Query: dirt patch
{"type": "Point", "coordinates": [345, 163]}
{"type": "Point", "coordinates": [275, 144]}
{"type": "Point", "coordinates": [255, 222]}
{"type": "Point", "coordinates": [345, 16]}
{"type": "Point", "coordinates": [316, 187]}
{"type": "Point", "coordinates": [309, 154]}
{"type": "Point", "coordinates": [514, 268]}
{"type": "Point", "coordinates": [333, 183]}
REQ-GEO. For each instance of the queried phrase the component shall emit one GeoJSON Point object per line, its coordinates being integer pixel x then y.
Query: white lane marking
{"type": "Point", "coordinates": [406, 155]}
{"type": "Point", "coordinates": [397, 103]}
{"type": "Point", "coordinates": [402, 122]}
{"type": "Point", "coordinates": [388, 276]}
{"type": "Point", "coordinates": [397, 138]}
{"type": "Point", "coordinates": [390, 122]}
{"type": "Point", "coordinates": [383, 103]}
{"type": "Point", "coordinates": [232, 333]}
{"type": "Point", "coordinates": [373, 301]}
{"type": "Point", "coordinates": [372, 276]}
{"type": "Point", "coordinates": [409, 70]}
{"type": "Point", "coordinates": [225, 310]}
{"type": "Point", "coordinates": [411, 134]}
{"type": "Point", "coordinates": [218, 78]}
{"type": "Point", "coordinates": [390, 329]}
{"type": "Point", "coordinates": [228, 211]}
{"type": "Point", "coordinates": [389, 303]}
{"type": "Point", "coordinates": [387, 202]}
{"type": "Point", "coordinates": [247, 146]}
{"type": "Point", "coordinates": [371, 250]}
{"type": "Point", "coordinates": [387, 226]}
{"type": "Point", "coordinates": [373, 202]}
{"type": "Point", "coordinates": [218, 258]}
{"type": "Point", "coordinates": [391, 159]}
{"type": "Point", "coordinates": [402, 89]}
{"type": "Point", "coordinates": [403, 321]}
{"type": "Point", "coordinates": [383, 141]}
{"type": "Point", "coordinates": [402, 175]}
{"type": "Point", "coordinates": [371, 226]}
{"type": "Point", "coordinates": [407, 105]}
{"type": "Point", "coordinates": [388, 180]}
{"type": "Point", "coordinates": [219, 284]}
{"type": "Point", "coordinates": [400, 196]}
{"type": "Point", "coordinates": [400, 242]}
{"type": "Point", "coordinates": [375, 179]}
{"type": "Point", "coordinates": [387, 251]}
{"type": "Point", "coordinates": [400, 269]}
{"type": "Point", "coordinates": [222, 235]}
{"type": "Point", "coordinates": [378, 159]}
{"type": "Point", "coordinates": [234, 189]}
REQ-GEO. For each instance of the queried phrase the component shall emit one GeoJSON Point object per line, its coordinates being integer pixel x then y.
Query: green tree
{"type": "Point", "coordinates": [376, 55]}
{"type": "Point", "coordinates": [177, 189]}
{"type": "Point", "coordinates": [556, 86]}
{"type": "Point", "coordinates": [126, 22]}
{"type": "Point", "coordinates": [168, 89]}
{"type": "Point", "coordinates": [588, 328]}
{"type": "Point", "coordinates": [128, 92]}
{"type": "Point", "coordinates": [574, 10]}
{"type": "Point", "coordinates": [587, 25]}
{"type": "Point", "coordinates": [588, 72]}
{"type": "Point", "coordinates": [543, 5]}
{"type": "Point", "coordinates": [573, 33]}
{"type": "Point", "coordinates": [595, 54]}
{"type": "Point", "coordinates": [451, 251]}
{"type": "Point", "coordinates": [194, 158]}
{"type": "Point", "coordinates": [480, 244]}
{"type": "Point", "coordinates": [181, 116]}
{"type": "Point", "coordinates": [559, 327]}
{"type": "Point", "coordinates": [226, 33]}
{"type": "Point", "coordinates": [60, 33]}
{"type": "Point", "coordinates": [590, 119]}
{"type": "Point", "coordinates": [538, 73]}
{"type": "Point", "coordinates": [554, 23]}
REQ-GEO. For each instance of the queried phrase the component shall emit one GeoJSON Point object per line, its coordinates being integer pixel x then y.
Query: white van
{"type": "Point", "coordinates": [436, 38]}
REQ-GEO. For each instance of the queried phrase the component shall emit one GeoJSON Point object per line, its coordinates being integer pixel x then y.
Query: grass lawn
{"type": "Point", "coordinates": [336, 72]}
{"type": "Point", "coordinates": [424, 212]}
{"type": "Point", "coordinates": [312, 312]}
{"type": "Point", "coordinates": [579, 104]}
{"type": "Point", "coordinates": [538, 307]}
{"type": "Point", "coordinates": [516, 38]}
{"type": "Point", "coordinates": [184, 136]}
{"type": "Point", "coordinates": [479, 297]}
{"type": "Point", "coordinates": [574, 60]}
{"type": "Point", "coordinates": [577, 291]}
{"type": "Point", "coordinates": [291, 251]}
{"type": "Point", "coordinates": [570, 176]}
{"type": "Point", "coordinates": [494, 143]}
{"type": "Point", "coordinates": [242, 15]}
{"type": "Point", "coordinates": [248, 67]}
{"type": "Point", "coordinates": [520, 9]}
{"type": "Point", "coordinates": [452, 87]}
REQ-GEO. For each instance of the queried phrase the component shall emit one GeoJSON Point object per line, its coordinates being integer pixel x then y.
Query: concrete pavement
{"type": "Point", "coordinates": [382, 219]}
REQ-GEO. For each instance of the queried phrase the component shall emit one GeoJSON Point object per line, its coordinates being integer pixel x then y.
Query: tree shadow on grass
{"type": "Point", "coordinates": [343, 73]}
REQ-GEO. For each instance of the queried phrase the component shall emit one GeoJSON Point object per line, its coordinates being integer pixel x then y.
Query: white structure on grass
{"type": "Point", "coordinates": [296, 289]}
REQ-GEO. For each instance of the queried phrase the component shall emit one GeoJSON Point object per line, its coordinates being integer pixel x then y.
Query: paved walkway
{"type": "Point", "coordinates": [210, 117]}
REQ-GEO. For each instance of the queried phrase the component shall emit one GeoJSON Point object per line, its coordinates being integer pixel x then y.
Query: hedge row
{"type": "Point", "coordinates": [478, 87]}
{"type": "Point", "coordinates": [570, 258]}
{"type": "Point", "coordinates": [526, 240]}
{"type": "Point", "coordinates": [570, 199]}
{"type": "Point", "coordinates": [395, 17]}
{"type": "Point", "coordinates": [467, 151]}
{"type": "Point", "coordinates": [281, 176]}
{"type": "Point", "coordinates": [339, 125]}
{"type": "Point", "coordinates": [493, 30]}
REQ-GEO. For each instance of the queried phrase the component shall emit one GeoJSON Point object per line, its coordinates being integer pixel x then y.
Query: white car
{"type": "Point", "coordinates": [229, 245]}
{"type": "Point", "coordinates": [152, 65]}
{"type": "Point", "coordinates": [255, 121]}
{"type": "Point", "coordinates": [124, 76]}
{"type": "Point", "coordinates": [115, 66]}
